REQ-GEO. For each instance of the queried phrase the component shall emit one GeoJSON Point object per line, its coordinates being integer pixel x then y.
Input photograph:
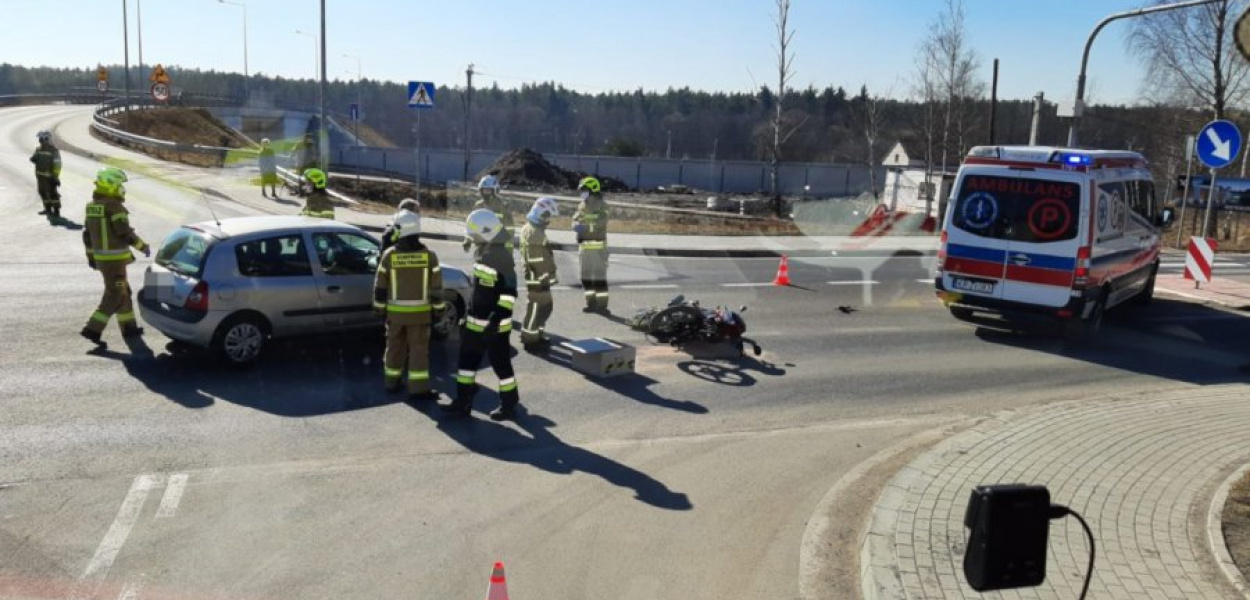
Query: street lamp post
{"type": "Point", "coordinates": [246, 74]}
{"type": "Point", "coordinates": [139, 26]}
{"type": "Point", "coordinates": [359, 108]}
{"type": "Point", "coordinates": [1078, 105]}
{"type": "Point", "coordinates": [126, 52]}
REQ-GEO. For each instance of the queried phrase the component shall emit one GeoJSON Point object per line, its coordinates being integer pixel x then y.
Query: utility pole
{"type": "Point", "coordinates": [1038, 103]}
{"type": "Point", "coordinates": [468, 121]}
{"type": "Point", "coordinates": [126, 51]}
{"type": "Point", "coordinates": [139, 22]}
{"type": "Point", "coordinates": [994, 103]}
{"type": "Point", "coordinates": [325, 130]}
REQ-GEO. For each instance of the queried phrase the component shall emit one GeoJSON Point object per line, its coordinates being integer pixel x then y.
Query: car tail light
{"type": "Point", "coordinates": [1065, 314]}
{"type": "Point", "coordinates": [198, 298]}
{"type": "Point", "coordinates": [941, 253]}
{"type": "Point", "coordinates": [1082, 267]}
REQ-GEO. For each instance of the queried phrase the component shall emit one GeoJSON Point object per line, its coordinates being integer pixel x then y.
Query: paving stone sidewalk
{"type": "Point", "coordinates": [1142, 469]}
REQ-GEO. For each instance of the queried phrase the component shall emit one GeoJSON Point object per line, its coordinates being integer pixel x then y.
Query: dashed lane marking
{"type": "Point", "coordinates": [117, 533]}
{"type": "Point", "coordinates": [173, 495]}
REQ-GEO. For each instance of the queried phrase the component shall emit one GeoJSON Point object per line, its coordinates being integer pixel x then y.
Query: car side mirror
{"type": "Point", "coordinates": [1164, 218]}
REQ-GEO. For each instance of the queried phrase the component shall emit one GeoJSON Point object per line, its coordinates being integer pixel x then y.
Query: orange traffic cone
{"type": "Point", "coordinates": [498, 589]}
{"type": "Point", "coordinates": [783, 272]}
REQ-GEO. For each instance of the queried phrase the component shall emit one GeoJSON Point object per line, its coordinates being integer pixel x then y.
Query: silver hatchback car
{"type": "Point", "coordinates": [233, 285]}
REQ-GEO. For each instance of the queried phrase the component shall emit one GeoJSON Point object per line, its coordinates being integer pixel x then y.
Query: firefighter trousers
{"type": "Point", "coordinates": [48, 192]}
{"type": "Point", "coordinates": [115, 301]}
{"type": "Point", "coordinates": [594, 263]}
{"type": "Point", "coordinates": [495, 345]}
{"type": "Point", "coordinates": [538, 307]}
{"type": "Point", "coordinates": [408, 345]}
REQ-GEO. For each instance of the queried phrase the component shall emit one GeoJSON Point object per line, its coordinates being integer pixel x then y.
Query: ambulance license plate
{"type": "Point", "coordinates": [971, 285]}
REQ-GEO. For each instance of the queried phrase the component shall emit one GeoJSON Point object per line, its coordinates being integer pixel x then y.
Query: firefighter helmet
{"type": "Point", "coordinates": [44, 136]}
{"type": "Point", "coordinates": [111, 182]}
{"type": "Point", "coordinates": [543, 210]}
{"type": "Point", "coordinates": [482, 225]}
{"type": "Point", "coordinates": [589, 184]}
{"type": "Point", "coordinates": [408, 223]}
{"type": "Point", "coordinates": [316, 177]}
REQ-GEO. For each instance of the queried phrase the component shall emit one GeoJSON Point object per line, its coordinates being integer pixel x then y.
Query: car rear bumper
{"type": "Point", "coordinates": [192, 327]}
{"type": "Point", "coordinates": [1010, 310]}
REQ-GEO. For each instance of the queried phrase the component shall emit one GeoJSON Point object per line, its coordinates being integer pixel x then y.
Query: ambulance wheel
{"type": "Point", "coordinates": [1147, 294]}
{"type": "Point", "coordinates": [1085, 331]}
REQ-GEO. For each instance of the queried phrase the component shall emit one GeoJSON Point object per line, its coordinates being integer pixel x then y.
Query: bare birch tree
{"type": "Point", "coordinates": [785, 72]}
{"type": "Point", "coordinates": [869, 115]}
{"type": "Point", "coordinates": [948, 66]}
{"type": "Point", "coordinates": [1190, 56]}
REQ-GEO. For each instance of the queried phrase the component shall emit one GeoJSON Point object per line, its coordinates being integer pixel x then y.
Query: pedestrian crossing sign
{"type": "Point", "coordinates": [420, 94]}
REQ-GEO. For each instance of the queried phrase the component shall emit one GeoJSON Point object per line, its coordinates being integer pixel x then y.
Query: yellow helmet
{"type": "Point", "coordinates": [111, 182]}
{"type": "Point", "coordinates": [589, 184]}
{"type": "Point", "coordinates": [316, 177]}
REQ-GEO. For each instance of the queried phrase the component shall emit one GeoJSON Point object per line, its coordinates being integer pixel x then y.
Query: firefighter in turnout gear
{"type": "Point", "coordinates": [267, 161]}
{"type": "Point", "coordinates": [47, 159]}
{"type": "Point", "coordinates": [391, 234]}
{"type": "Point", "coordinates": [318, 203]}
{"type": "Point", "coordinates": [108, 238]}
{"type": "Point", "coordinates": [590, 222]}
{"type": "Point", "coordinates": [488, 324]}
{"type": "Point", "coordinates": [490, 199]}
{"type": "Point", "coordinates": [408, 291]}
{"type": "Point", "coordinates": [540, 273]}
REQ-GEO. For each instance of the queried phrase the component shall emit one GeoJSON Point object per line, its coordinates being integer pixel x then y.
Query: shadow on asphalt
{"type": "Point", "coordinates": [1171, 339]}
{"type": "Point", "coordinates": [67, 224]}
{"type": "Point", "coordinates": [534, 444]}
{"type": "Point", "coordinates": [297, 377]}
{"type": "Point", "coordinates": [635, 386]}
{"type": "Point", "coordinates": [733, 372]}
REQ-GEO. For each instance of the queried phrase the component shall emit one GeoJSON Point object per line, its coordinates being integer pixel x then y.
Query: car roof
{"type": "Point", "coordinates": [241, 226]}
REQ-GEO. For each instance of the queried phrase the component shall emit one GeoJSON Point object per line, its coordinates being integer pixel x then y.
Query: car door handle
{"type": "Point", "coordinates": [334, 289]}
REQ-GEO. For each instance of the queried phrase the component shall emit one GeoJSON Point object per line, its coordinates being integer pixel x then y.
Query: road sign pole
{"type": "Point", "coordinates": [1206, 217]}
{"type": "Point", "coordinates": [416, 155]}
{"type": "Point", "coordinates": [1189, 166]}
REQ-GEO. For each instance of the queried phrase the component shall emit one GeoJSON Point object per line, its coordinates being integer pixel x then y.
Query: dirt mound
{"type": "Point", "coordinates": [182, 125]}
{"type": "Point", "coordinates": [528, 169]}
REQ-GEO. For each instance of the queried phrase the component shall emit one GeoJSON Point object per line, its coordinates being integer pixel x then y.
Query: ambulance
{"type": "Point", "coordinates": [1053, 234]}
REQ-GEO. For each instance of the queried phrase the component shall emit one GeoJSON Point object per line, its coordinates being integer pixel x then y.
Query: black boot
{"type": "Point", "coordinates": [430, 396]}
{"type": "Point", "coordinates": [505, 413]}
{"type": "Point", "coordinates": [93, 337]}
{"type": "Point", "coordinates": [457, 409]}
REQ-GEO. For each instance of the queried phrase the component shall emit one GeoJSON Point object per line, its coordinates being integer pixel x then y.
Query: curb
{"type": "Point", "coordinates": [819, 524]}
{"type": "Point", "coordinates": [1215, 534]}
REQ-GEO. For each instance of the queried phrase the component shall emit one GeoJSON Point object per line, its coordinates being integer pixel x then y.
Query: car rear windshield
{"type": "Point", "coordinates": [1018, 209]}
{"type": "Point", "coordinates": [184, 252]}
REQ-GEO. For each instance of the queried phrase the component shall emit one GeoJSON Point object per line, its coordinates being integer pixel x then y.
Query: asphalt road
{"type": "Point", "coordinates": [136, 474]}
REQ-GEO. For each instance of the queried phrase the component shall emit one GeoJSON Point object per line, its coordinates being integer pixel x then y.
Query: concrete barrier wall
{"type": "Point", "coordinates": [817, 179]}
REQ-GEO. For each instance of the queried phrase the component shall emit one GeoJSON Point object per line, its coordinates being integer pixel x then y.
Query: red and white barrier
{"type": "Point", "coordinates": [1199, 259]}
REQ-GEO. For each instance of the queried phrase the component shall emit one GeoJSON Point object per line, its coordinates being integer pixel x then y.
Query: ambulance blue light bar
{"type": "Point", "coordinates": [1069, 158]}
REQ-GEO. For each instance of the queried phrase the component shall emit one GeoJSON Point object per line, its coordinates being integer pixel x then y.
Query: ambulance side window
{"type": "Point", "coordinates": [1141, 198]}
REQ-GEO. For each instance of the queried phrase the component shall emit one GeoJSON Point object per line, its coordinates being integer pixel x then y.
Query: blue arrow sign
{"type": "Point", "coordinates": [420, 94]}
{"type": "Point", "coordinates": [354, 111]}
{"type": "Point", "coordinates": [1219, 142]}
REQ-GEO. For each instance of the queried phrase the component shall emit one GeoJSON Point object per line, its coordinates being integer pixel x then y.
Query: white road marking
{"type": "Point", "coordinates": [926, 280]}
{"type": "Point", "coordinates": [130, 591]}
{"type": "Point", "coordinates": [117, 533]}
{"type": "Point", "coordinates": [649, 286]}
{"type": "Point", "coordinates": [173, 495]}
{"type": "Point", "coordinates": [769, 284]}
{"type": "Point", "coordinates": [865, 282]}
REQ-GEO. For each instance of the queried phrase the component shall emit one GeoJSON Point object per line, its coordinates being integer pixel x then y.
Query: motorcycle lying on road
{"type": "Point", "coordinates": [683, 321]}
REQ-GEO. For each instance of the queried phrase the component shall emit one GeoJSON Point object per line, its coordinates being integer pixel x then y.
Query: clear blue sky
{"type": "Point", "coordinates": [591, 45]}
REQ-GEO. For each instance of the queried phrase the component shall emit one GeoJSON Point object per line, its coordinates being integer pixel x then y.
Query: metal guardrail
{"type": "Point", "coordinates": [108, 129]}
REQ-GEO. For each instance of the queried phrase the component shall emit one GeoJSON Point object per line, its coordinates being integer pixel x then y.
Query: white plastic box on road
{"type": "Point", "coordinates": [601, 357]}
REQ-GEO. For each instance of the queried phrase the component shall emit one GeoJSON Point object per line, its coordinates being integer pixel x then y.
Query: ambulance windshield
{"type": "Point", "coordinates": [1018, 209]}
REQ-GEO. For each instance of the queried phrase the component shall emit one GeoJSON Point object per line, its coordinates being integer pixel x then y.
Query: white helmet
{"type": "Point", "coordinates": [44, 135]}
{"type": "Point", "coordinates": [482, 225]}
{"type": "Point", "coordinates": [408, 223]}
{"type": "Point", "coordinates": [264, 141]}
{"type": "Point", "coordinates": [489, 182]}
{"type": "Point", "coordinates": [543, 210]}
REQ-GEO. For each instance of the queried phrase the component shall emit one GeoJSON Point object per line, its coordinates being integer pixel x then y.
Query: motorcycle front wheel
{"type": "Point", "coordinates": [675, 324]}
